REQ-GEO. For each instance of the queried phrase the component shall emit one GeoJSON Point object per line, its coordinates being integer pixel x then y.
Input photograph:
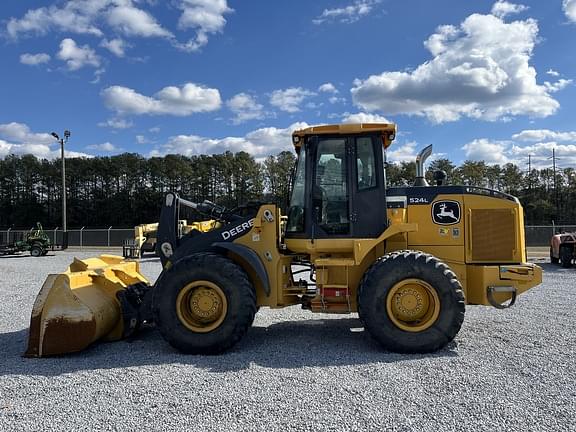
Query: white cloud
{"type": "Point", "coordinates": [75, 16]}
{"type": "Point", "coordinates": [105, 147]}
{"type": "Point", "coordinates": [34, 59]}
{"type": "Point", "coordinates": [125, 17]}
{"type": "Point", "coordinates": [502, 8]}
{"type": "Point", "coordinates": [491, 152]}
{"type": "Point", "coordinates": [541, 154]}
{"type": "Point", "coordinates": [480, 70]}
{"type": "Point", "coordinates": [336, 99]}
{"type": "Point", "coordinates": [21, 133]}
{"type": "Point", "coordinates": [179, 101]}
{"type": "Point", "coordinates": [258, 143]}
{"type": "Point", "coordinates": [97, 75]}
{"type": "Point", "coordinates": [141, 139]}
{"type": "Point", "coordinates": [205, 17]}
{"type": "Point", "coordinates": [85, 17]}
{"type": "Point", "coordinates": [569, 7]}
{"type": "Point", "coordinates": [154, 129]}
{"type": "Point", "coordinates": [290, 99]}
{"type": "Point", "coordinates": [404, 153]}
{"type": "Point", "coordinates": [553, 73]}
{"type": "Point", "coordinates": [132, 21]}
{"type": "Point", "coordinates": [115, 46]}
{"type": "Point", "coordinates": [18, 139]}
{"type": "Point", "coordinates": [557, 86]}
{"type": "Point", "coordinates": [76, 57]}
{"type": "Point", "coordinates": [543, 142]}
{"type": "Point", "coordinates": [328, 88]}
{"type": "Point", "coordinates": [535, 135]}
{"type": "Point", "coordinates": [313, 105]}
{"type": "Point", "coordinates": [347, 14]}
{"type": "Point", "coordinates": [245, 107]}
{"type": "Point", "coordinates": [116, 123]}
{"type": "Point", "coordinates": [41, 151]}
{"type": "Point", "coordinates": [364, 118]}
{"type": "Point", "coordinates": [408, 152]}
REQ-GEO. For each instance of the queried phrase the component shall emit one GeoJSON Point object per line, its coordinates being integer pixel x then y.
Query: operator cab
{"type": "Point", "coordinates": [339, 184]}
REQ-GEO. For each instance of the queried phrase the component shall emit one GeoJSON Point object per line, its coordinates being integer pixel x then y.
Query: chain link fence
{"type": "Point", "coordinates": [539, 235]}
{"type": "Point", "coordinates": [536, 235]}
{"type": "Point", "coordinates": [102, 237]}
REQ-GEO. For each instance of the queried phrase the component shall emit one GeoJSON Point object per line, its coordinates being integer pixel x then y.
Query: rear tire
{"type": "Point", "coordinates": [411, 302]}
{"type": "Point", "coordinates": [36, 251]}
{"type": "Point", "coordinates": [566, 257]}
{"type": "Point", "coordinates": [204, 304]}
{"type": "Point", "coordinates": [553, 259]}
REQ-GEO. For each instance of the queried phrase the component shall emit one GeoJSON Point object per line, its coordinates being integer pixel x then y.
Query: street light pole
{"type": "Point", "coordinates": [61, 141]}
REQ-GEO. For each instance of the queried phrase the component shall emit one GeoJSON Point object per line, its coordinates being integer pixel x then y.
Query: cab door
{"type": "Point", "coordinates": [331, 188]}
{"type": "Point", "coordinates": [367, 184]}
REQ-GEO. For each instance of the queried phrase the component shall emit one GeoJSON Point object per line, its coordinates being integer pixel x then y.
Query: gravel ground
{"type": "Point", "coordinates": [508, 370]}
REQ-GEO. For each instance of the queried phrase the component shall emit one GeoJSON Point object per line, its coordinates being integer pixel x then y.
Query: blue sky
{"type": "Point", "coordinates": [480, 80]}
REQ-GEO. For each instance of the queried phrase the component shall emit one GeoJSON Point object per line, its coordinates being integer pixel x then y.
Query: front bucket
{"type": "Point", "coordinates": [80, 306]}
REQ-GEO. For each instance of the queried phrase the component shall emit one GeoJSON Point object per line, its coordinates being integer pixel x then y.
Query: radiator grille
{"type": "Point", "coordinates": [493, 235]}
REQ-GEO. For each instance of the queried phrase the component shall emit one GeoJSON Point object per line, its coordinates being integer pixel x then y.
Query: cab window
{"type": "Point", "coordinates": [365, 163]}
{"type": "Point", "coordinates": [296, 214]}
{"type": "Point", "coordinates": [330, 191]}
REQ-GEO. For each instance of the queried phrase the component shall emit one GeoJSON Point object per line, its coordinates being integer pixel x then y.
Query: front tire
{"type": "Point", "coordinates": [204, 304]}
{"type": "Point", "coordinates": [553, 259]}
{"type": "Point", "coordinates": [411, 302]}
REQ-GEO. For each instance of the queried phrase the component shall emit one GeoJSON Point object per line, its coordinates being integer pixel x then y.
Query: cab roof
{"type": "Point", "coordinates": [387, 130]}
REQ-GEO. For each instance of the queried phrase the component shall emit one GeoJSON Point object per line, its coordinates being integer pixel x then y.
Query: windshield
{"type": "Point", "coordinates": [297, 201]}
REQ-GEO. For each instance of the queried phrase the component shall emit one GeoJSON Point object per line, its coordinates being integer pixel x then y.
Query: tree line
{"type": "Point", "coordinates": [126, 190]}
{"type": "Point", "coordinates": [547, 195]}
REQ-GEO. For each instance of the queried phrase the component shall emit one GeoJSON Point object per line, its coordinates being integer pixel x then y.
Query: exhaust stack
{"type": "Point", "coordinates": [420, 159]}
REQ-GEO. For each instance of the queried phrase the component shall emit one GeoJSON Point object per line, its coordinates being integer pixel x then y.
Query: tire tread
{"type": "Point", "coordinates": [243, 318]}
{"type": "Point", "coordinates": [403, 257]}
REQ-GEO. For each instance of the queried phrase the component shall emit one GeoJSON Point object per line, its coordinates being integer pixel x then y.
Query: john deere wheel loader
{"type": "Point", "coordinates": [406, 259]}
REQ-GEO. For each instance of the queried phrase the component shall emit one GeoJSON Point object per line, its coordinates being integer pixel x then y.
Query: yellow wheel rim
{"type": "Point", "coordinates": [201, 306]}
{"type": "Point", "coordinates": [413, 305]}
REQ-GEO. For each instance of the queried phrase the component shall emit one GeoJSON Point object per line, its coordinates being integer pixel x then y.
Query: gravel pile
{"type": "Point", "coordinates": [508, 370]}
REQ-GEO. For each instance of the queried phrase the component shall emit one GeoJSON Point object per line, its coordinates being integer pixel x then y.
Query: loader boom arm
{"type": "Point", "coordinates": [169, 236]}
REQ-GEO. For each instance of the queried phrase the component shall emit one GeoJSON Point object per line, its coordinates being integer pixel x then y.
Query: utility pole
{"type": "Point", "coordinates": [529, 172]}
{"type": "Point", "coordinates": [62, 141]}
{"type": "Point", "coordinates": [554, 167]}
{"type": "Point", "coordinates": [555, 182]}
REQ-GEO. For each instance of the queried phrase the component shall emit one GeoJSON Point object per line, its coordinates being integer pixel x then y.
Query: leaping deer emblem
{"type": "Point", "coordinates": [446, 213]}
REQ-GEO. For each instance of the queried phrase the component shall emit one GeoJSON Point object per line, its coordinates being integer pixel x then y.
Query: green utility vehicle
{"type": "Point", "coordinates": [36, 241]}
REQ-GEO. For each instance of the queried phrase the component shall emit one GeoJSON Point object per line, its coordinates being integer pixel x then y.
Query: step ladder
{"type": "Point", "coordinates": [333, 298]}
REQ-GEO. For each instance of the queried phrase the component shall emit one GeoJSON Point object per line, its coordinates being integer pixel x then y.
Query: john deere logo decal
{"type": "Point", "coordinates": [446, 212]}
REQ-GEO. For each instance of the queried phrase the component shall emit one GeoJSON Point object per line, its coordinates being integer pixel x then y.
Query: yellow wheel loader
{"type": "Point", "coordinates": [406, 259]}
{"type": "Point", "coordinates": [145, 236]}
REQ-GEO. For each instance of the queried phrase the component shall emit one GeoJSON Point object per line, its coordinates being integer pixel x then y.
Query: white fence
{"type": "Point", "coordinates": [536, 235]}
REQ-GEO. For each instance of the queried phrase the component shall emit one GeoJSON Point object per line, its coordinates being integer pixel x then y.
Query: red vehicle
{"type": "Point", "coordinates": [562, 249]}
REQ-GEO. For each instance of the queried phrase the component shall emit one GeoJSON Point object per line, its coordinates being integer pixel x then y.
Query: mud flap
{"type": "Point", "coordinates": [80, 306]}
